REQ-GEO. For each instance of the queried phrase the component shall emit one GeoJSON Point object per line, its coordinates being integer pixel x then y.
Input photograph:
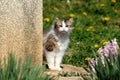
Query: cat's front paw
{"type": "Point", "coordinates": [57, 68]}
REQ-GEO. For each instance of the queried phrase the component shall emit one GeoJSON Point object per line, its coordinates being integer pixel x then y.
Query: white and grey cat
{"type": "Point", "coordinates": [55, 42]}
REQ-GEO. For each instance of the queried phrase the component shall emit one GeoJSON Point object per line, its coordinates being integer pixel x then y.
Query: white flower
{"type": "Point", "coordinates": [68, 1]}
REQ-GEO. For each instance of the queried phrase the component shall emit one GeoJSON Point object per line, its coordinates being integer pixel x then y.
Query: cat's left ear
{"type": "Point", "coordinates": [71, 20]}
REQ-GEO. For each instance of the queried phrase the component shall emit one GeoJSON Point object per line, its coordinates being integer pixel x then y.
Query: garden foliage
{"type": "Point", "coordinates": [16, 70]}
{"type": "Point", "coordinates": [107, 65]}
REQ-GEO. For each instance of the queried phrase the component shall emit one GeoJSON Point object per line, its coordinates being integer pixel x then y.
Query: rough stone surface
{"type": "Point", "coordinates": [69, 69]}
{"type": "Point", "coordinates": [21, 28]}
{"type": "Point", "coordinates": [70, 78]}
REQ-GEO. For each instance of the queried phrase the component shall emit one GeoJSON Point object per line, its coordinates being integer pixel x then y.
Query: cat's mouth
{"type": "Point", "coordinates": [63, 32]}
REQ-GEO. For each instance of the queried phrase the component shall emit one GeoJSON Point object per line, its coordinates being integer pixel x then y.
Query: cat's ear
{"type": "Point", "coordinates": [56, 19]}
{"type": "Point", "coordinates": [71, 20]}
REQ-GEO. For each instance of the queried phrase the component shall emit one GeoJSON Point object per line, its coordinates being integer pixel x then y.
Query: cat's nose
{"type": "Point", "coordinates": [64, 30]}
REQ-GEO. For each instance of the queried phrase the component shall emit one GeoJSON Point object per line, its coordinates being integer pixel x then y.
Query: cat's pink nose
{"type": "Point", "coordinates": [63, 29]}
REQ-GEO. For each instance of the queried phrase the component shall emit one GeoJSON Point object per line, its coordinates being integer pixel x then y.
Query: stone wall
{"type": "Point", "coordinates": [21, 28]}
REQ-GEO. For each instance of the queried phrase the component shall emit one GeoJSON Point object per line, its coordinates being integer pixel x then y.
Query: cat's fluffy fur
{"type": "Point", "coordinates": [56, 40]}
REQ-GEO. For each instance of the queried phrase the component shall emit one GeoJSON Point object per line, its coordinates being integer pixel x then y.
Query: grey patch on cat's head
{"type": "Point", "coordinates": [63, 25]}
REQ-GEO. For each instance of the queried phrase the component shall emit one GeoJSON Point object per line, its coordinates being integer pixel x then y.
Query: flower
{"type": "Point", "coordinates": [113, 1]}
{"type": "Point", "coordinates": [47, 19]}
{"type": "Point", "coordinates": [88, 59]}
{"type": "Point", "coordinates": [102, 4]}
{"type": "Point", "coordinates": [90, 28]}
{"type": "Point", "coordinates": [106, 51]}
{"type": "Point", "coordinates": [96, 45]}
{"type": "Point", "coordinates": [72, 15]}
{"type": "Point", "coordinates": [109, 47]}
{"type": "Point", "coordinates": [103, 42]}
{"type": "Point", "coordinates": [106, 18]}
{"type": "Point", "coordinates": [68, 1]}
{"type": "Point", "coordinates": [115, 44]}
{"type": "Point", "coordinates": [100, 51]}
{"type": "Point", "coordinates": [84, 13]}
{"type": "Point", "coordinates": [92, 64]}
{"type": "Point", "coordinates": [56, 9]}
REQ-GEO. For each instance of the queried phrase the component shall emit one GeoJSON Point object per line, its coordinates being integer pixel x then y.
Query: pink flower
{"type": "Point", "coordinates": [105, 51]}
{"type": "Point", "coordinates": [114, 43]}
{"type": "Point", "coordinates": [92, 64]}
{"type": "Point", "coordinates": [100, 51]}
{"type": "Point", "coordinates": [109, 47]}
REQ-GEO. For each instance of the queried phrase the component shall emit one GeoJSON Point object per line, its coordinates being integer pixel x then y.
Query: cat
{"type": "Point", "coordinates": [56, 40]}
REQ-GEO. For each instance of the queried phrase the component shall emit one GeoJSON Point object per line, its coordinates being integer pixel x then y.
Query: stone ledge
{"type": "Point", "coordinates": [70, 78]}
{"type": "Point", "coordinates": [68, 68]}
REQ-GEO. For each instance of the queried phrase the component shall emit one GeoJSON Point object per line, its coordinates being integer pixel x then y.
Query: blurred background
{"type": "Point", "coordinates": [95, 23]}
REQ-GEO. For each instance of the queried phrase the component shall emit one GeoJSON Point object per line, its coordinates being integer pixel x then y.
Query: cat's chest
{"type": "Point", "coordinates": [62, 45]}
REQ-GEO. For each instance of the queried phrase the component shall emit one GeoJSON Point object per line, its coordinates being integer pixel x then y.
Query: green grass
{"type": "Point", "coordinates": [94, 21]}
{"type": "Point", "coordinates": [18, 70]}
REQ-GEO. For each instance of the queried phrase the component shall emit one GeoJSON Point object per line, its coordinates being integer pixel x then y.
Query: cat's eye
{"type": "Point", "coordinates": [67, 25]}
{"type": "Point", "coordinates": [60, 25]}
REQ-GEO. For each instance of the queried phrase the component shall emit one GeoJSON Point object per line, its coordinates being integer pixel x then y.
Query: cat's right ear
{"type": "Point", "coordinates": [56, 19]}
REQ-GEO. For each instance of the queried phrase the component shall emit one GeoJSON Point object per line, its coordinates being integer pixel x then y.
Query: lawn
{"type": "Point", "coordinates": [95, 23]}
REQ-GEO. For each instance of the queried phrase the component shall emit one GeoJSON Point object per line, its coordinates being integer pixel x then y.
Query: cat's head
{"type": "Point", "coordinates": [63, 26]}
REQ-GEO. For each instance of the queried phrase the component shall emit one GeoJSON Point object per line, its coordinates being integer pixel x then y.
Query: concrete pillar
{"type": "Point", "coordinates": [21, 29]}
